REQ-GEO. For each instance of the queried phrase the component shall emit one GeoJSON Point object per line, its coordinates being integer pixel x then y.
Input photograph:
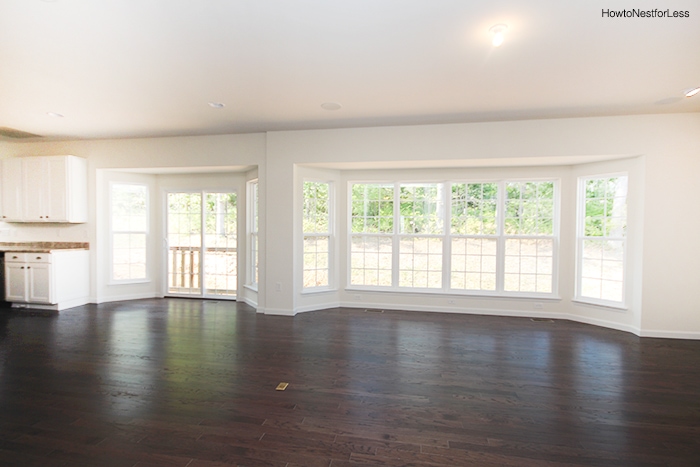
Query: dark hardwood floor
{"type": "Point", "coordinates": [192, 383]}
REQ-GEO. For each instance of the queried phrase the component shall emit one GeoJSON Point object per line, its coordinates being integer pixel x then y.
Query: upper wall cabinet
{"type": "Point", "coordinates": [44, 189]}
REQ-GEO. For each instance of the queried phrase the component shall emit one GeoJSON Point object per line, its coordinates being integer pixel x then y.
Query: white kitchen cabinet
{"type": "Point", "coordinates": [16, 282]}
{"type": "Point", "coordinates": [44, 189]}
{"type": "Point", "coordinates": [56, 280]}
{"type": "Point", "coordinates": [12, 186]}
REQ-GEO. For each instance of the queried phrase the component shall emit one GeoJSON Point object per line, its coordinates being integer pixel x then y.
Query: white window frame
{"type": "Point", "coordinates": [447, 237]}
{"type": "Point", "coordinates": [581, 237]}
{"type": "Point", "coordinates": [331, 286]}
{"type": "Point", "coordinates": [112, 232]}
{"type": "Point", "coordinates": [252, 234]}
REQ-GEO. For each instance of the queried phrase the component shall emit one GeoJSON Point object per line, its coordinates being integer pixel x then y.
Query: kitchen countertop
{"type": "Point", "coordinates": [42, 247]}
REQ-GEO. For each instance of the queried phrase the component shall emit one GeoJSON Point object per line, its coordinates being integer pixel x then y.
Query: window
{"type": "Point", "coordinates": [482, 237]}
{"type": "Point", "coordinates": [253, 246]}
{"type": "Point", "coordinates": [529, 237]}
{"type": "Point", "coordinates": [317, 235]}
{"type": "Point", "coordinates": [602, 225]}
{"type": "Point", "coordinates": [371, 238]}
{"type": "Point", "coordinates": [474, 236]}
{"type": "Point", "coordinates": [129, 225]}
{"type": "Point", "coordinates": [422, 224]}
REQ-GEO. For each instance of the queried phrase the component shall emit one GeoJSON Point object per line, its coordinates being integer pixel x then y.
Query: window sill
{"type": "Point", "coordinates": [253, 288]}
{"type": "Point", "coordinates": [129, 282]}
{"type": "Point", "coordinates": [452, 293]}
{"type": "Point", "coordinates": [610, 306]}
{"type": "Point", "coordinates": [319, 290]}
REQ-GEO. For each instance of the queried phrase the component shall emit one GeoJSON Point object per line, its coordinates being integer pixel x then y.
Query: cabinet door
{"type": "Point", "coordinates": [16, 282]}
{"type": "Point", "coordinates": [35, 188]}
{"type": "Point", "coordinates": [56, 190]}
{"type": "Point", "coordinates": [39, 283]}
{"type": "Point", "coordinates": [12, 189]}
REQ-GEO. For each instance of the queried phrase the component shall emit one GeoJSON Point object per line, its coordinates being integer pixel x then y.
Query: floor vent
{"type": "Point", "coordinates": [373, 310]}
{"type": "Point", "coordinates": [542, 320]}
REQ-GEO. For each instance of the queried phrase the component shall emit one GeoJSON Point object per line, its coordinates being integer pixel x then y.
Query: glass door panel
{"type": "Point", "coordinates": [184, 234]}
{"type": "Point", "coordinates": [220, 242]}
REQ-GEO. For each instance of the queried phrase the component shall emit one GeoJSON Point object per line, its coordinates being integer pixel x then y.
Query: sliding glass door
{"type": "Point", "coordinates": [202, 244]}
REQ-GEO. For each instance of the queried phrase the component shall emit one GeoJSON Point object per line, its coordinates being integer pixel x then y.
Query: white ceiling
{"type": "Point", "coordinates": [132, 68]}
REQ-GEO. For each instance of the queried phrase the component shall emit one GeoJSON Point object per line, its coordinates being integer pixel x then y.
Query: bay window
{"type": "Point", "coordinates": [492, 238]}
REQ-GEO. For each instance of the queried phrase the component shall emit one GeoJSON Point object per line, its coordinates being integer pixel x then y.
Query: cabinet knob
{"type": "Point", "coordinates": [29, 267]}
{"type": "Point", "coordinates": [22, 267]}
{"type": "Point", "coordinates": [38, 257]}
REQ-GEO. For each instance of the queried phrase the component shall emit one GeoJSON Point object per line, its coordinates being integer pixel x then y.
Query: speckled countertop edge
{"type": "Point", "coordinates": [42, 247]}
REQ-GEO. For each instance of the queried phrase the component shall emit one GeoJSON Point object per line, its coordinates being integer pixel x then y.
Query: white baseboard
{"type": "Point", "coordinates": [276, 311]}
{"type": "Point", "coordinates": [120, 298]}
{"type": "Point", "coordinates": [671, 334]}
{"type": "Point", "coordinates": [501, 312]}
{"type": "Point", "coordinates": [247, 301]}
{"type": "Point", "coordinates": [315, 307]}
{"type": "Point", "coordinates": [64, 305]}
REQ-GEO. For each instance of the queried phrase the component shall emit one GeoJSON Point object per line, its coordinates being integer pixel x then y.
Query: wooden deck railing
{"type": "Point", "coordinates": [184, 263]}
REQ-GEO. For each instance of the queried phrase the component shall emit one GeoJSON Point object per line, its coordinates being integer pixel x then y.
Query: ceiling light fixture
{"type": "Point", "coordinates": [217, 105]}
{"type": "Point", "coordinates": [498, 32]}
{"type": "Point", "coordinates": [331, 106]}
{"type": "Point", "coordinates": [691, 92]}
{"type": "Point", "coordinates": [54, 114]}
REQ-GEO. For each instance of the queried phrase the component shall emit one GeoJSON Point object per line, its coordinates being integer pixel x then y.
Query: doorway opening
{"type": "Point", "coordinates": [202, 244]}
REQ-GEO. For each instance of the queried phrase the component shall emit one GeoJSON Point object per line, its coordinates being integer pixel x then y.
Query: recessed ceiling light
{"type": "Point", "coordinates": [498, 32]}
{"type": "Point", "coordinates": [691, 92]}
{"type": "Point", "coordinates": [331, 106]}
{"type": "Point", "coordinates": [217, 105]}
{"type": "Point", "coordinates": [54, 114]}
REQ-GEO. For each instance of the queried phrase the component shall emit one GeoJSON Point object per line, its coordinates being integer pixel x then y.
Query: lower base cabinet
{"type": "Point", "coordinates": [55, 280]}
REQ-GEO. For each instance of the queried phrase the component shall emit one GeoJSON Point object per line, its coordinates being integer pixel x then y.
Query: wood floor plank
{"type": "Point", "coordinates": [189, 383]}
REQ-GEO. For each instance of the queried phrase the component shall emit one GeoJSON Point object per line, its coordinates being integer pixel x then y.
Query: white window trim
{"type": "Point", "coordinates": [252, 211]}
{"type": "Point", "coordinates": [580, 226]}
{"type": "Point", "coordinates": [447, 244]}
{"type": "Point", "coordinates": [332, 281]}
{"type": "Point", "coordinates": [202, 264]}
{"type": "Point", "coordinates": [112, 280]}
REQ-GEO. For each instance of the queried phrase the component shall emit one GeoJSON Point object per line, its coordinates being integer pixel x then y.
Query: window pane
{"type": "Point", "coordinates": [421, 208]}
{"type": "Point", "coordinates": [372, 208]}
{"type": "Point", "coordinates": [473, 264]}
{"type": "Point", "coordinates": [529, 265]}
{"type": "Point", "coordinates": [474, 208]}
{"type": "Point", "coordinates": [420, 262]}
{"type": "Point", "coordinates": [128, 256]}
{"type": "Point", "coordinates": [129, 215]}
{"type": "Point", "coordinates": [316, 217]}
{"type": "Point", "coordinates": [602, 269]}
{"type": "Point", "coordinates": [253, 232]}
{"type": "Point", "coordinates": [529, 208]}
{"type": "Point", "coordinates": [129, 207]}
{"type": "Point", "coordinates": [370, 260]}
{"type": "Point", "coordinates": [605, 207]}
{"type": "Point", "coordinates": [316, 268]}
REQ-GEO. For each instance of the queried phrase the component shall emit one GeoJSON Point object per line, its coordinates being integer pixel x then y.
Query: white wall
{"type": "Point", "coordinates": [666, 147]}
